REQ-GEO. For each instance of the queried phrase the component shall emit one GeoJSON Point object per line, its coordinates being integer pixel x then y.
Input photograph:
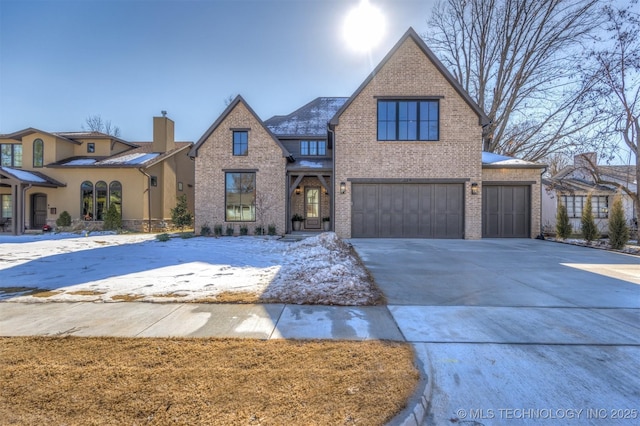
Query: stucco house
{"type": "Point", "coordinates": [43, 174]}
{"type": "Point", "coordinates": [401, 157]}
{"type": "Point", "coordinates": [574, 183]}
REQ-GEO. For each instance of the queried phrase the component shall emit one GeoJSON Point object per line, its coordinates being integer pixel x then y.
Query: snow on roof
{"type": "Point", "coordinates": [24, 175]}
{"type": "Point", "coordinates": [81, 162]}
{"type": "Point", "coordinates": [135, 158]}
{"type": "Point", "coordinates": [312, 164]}
{"type": "Point", "coordinates": [309, 120]}
{"type": "Point", "coordinates": [502, 160]}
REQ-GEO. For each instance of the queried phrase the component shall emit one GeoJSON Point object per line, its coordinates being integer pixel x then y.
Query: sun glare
{"type": "Point", "coordinates": [364, 27]}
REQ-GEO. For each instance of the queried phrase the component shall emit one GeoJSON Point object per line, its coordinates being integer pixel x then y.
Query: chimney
{"type": "Point", "coordinates": [163, 138]}
{"type": "Point", "coordinates": [585, 160]}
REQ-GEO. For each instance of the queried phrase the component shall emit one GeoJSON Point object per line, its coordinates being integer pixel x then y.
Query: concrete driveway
{"type": "Point", "coordinates": [517, 331]}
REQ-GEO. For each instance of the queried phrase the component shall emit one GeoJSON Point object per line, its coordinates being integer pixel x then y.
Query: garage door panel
{"type": "Point", "coordinates": [506, 211]}
{"type": "Point", "coordinates": [408, 210]}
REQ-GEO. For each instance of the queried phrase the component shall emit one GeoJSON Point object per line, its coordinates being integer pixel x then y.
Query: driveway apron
{"type": "Point", "coordinates": [516, 331]}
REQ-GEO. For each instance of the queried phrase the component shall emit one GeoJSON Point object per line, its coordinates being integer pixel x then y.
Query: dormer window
{"type": "Point", "coordinates": [408, 120]}
{"type": "Point", "coordinates": [91, 147]}
{"type": "Point", "coordinates": [313, 148]}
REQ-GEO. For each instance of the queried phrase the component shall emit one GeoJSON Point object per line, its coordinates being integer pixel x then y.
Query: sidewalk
{"type": "Point", "coordinates": [137, 319]}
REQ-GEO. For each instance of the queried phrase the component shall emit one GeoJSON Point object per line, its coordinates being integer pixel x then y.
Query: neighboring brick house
{"type": "Point", "coordinates": [43, 174]}
{"type": "Point", "coordinates": [401, 157]}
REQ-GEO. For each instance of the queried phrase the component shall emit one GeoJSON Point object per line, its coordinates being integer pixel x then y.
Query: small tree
{"type": "Point", "coordinates": [563, 225]}
{"type": "Point", "coordinates": [112, 220]}
{"type": "Point", "coordinates": [180, 215]}
{"type": "Point", "coordinates": [618, 229]}
{"type": "Point", "coordinates": [589, 228]}
{"type": "Point", "coordinates": [64, 219]}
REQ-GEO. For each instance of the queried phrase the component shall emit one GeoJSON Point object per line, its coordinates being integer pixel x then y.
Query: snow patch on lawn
{"type": "Point", "coordinates": [103, 267]}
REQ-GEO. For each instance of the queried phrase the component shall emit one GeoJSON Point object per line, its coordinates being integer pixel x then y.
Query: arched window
{"type": "Point", "coordinates": [101, 200]}
{"type": "Point", "coordinates": [115, 195]}
{"type": "Point", "coordinates": [38, 153]}
{"type": "Point", "coordinates": [86, 194]}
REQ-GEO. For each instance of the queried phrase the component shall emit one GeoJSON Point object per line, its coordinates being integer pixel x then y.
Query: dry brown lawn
{"type": "Point", "coordinates": [98, 381]}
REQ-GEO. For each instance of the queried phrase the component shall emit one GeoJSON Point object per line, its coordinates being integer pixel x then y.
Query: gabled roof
{"type": "Point", "coordinates": [91, 135]}
{"type": "Point", "coordinates": [30, 130]}
{"type": "Point", "coordinates": [411, 34]}
{"type": "Point", "coordinates": [140, 157]}
{"type": "Point", "coordinates": [491, 160]}
{"type": "Point", "coordinates": [29, 177]}
{"type": "Point", "coordinates": [308, 121]}
{"type": "Point", "coordinates": [194, 150]}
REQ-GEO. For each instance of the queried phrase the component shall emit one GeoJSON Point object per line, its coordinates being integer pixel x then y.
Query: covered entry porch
{"type": "Point", "coordinates": [309, 200]}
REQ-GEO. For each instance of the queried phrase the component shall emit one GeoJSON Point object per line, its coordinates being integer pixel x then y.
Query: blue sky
{"type": "Point", "coordinates": [126, 60]}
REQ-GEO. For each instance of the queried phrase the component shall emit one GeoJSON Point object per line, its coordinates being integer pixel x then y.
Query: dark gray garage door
{"type": "Point", "coordinates": [506, 211]}
{"type": "Point", "coordinates": [412, 210]}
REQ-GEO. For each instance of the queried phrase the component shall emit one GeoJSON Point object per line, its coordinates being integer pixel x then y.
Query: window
{"type": "Point", "coordinates": [240, 143]}
{"type": "Point", "coordinates": [38, 153]}
{"type": "Point", "coordinates": [11, 155]}
{"type": "Point", "coordinates": [575, 205]}
{"type": "Point", "coordinates": [91, 147]}
{"type": "Point", "coordinates": [115, 195]}
{"type": "Point", "coordinates": [240, 197]}
{"type": "Point", "coordinates": [180, 186]}
{"type": "Point", "coordinates": [86, 194]}
{"type": "Point", "coordinates": [313, 147]}
{"type": "Point", "coordinates": [101, 200]}
{"type": "Point", "coordinates": [7, 206]}
{"type": "Point", "coordinates": [408, 120]}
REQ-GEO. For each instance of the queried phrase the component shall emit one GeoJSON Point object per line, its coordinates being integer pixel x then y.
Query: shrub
{"type": "Point", "coordinates": [272, 230]}
{"type": "Point", "coordinates": [259, 230]}
{"type": "Point", "coordinates": [244, 230]}
{"type": "Point", "coordinates": [112, 220]}
{"type": "Point", "coordinates": [618, 229]}
{"type": "Point", "coordinates": [563, 226]}
{"type": "Point", "coordinates": [217, 230]}
{"type": "Point", "coordinates": [64, 219]}
{"type": "Point", "coordinates": [180, 215]}
{"type": "Point", "coordinates": [297, 218]}
{"type": "Point", "coordinates": [205, 230]}
{"type": "Point", "coordinates": [589, 228]}
{"type": "Point", "coordinates": [229, 231]}
{"type": "Point", "coordinates": [163, 237]}
{"type": "Point", "coordinates": [186, 235]}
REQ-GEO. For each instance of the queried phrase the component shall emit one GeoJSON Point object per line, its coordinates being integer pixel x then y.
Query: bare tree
{"type": "Point", "coordinates": [94, 123]}
{"type": "Point", "coordinates": [616, 72]}
{"type": "Point", "coordinates": [518, 59]}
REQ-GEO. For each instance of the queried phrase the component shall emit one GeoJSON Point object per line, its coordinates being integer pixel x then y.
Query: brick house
{"type": "Point", "coordinates": [43, 174]}
{"type": "Point", "coordinates": [402, 157]}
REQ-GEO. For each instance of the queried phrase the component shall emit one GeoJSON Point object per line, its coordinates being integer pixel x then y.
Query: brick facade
{"type": "Point", "coordinates": [265, 158]}
{"type": "Point", "coordinates": [456, 155]}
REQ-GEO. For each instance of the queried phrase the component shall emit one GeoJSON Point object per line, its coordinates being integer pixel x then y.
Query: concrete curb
{"type": "Point", "coordinates": [417, 406]}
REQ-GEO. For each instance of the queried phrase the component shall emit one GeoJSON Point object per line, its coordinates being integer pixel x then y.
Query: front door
{"type": "Point", "coordinates": [312, 208]}
{"type": "Point", "coordinates": [39, 211]}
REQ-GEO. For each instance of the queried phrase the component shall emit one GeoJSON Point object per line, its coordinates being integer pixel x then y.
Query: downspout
{"type": "Point", "coordinates": [24, 209]}
{"type": "Point", "coordinates": [541, 235]}
{"type": "Point", "coordinates": [149, 195]}
{"type": "Point", "coordinates": [333, 177]}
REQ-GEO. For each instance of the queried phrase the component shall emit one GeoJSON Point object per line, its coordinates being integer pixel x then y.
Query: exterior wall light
{"type": "Point", "coordinates": [298, 190]}
{"type": "Point", "coordinates": [343, 188]}
{"type": "Point", "coordinates": [475, 190]}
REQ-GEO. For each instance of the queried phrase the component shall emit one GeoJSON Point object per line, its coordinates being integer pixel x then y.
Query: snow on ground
{"type": "Point", "coordinates": [106, 267]}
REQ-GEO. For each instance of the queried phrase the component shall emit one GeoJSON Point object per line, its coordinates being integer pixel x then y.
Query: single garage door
{"type": "Point", "coordinates": [407, 210]}
{"type": "Point", "coordinates": [506, 211]}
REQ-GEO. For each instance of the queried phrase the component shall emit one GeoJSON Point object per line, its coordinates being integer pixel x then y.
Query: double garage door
{"type": "Point", "coordinates": [407, 210]}
{"type": "Point", "coordinates": [436, 210]}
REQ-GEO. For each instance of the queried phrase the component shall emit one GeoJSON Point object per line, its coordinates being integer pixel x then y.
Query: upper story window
{"type": "Point", "coordinates": [313, 147]}
{"type": "Point", "coordinates": [91, 147]}
{"type": "Point", "coordinates": [11, 155]}
{"type": "Point", "coordinates": [240, 142]}
{"type": "Point", "coordinates": [38, 153]}
{"type": "Point", "coordinates": [408, 120]}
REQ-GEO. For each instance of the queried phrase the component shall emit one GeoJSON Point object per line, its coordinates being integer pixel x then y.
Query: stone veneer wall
{"type": "Point", "coordinates": [457, 155]}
